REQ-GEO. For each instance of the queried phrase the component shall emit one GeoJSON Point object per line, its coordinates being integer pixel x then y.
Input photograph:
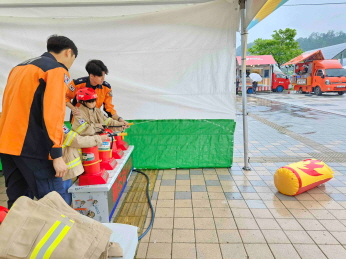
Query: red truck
{"type": "Point", "coordinates": [265, 65]}
{"type": "Point", "coordinates": [280, 82]}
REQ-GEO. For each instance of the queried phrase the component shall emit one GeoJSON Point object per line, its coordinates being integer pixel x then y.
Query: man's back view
{"type": "Point", "coordinates": [32, 118]}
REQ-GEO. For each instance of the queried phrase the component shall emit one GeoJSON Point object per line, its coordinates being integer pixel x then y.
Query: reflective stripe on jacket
{"type": "Point", "coordinates": [72, 153]}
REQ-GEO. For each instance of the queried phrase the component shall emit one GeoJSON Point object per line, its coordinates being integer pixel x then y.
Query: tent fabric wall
{"type": "Point", "coordinates": [171, 65]}
{"type": "Point", "coordinates": [167, 65]}
{"type": "Point", "coordinates": [84, 11]}
{"type": "Point", "coordinates": [92, 2]}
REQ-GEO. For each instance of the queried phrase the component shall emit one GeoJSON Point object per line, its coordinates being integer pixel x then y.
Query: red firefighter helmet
{"type": "Point", "coordinates": [86, 94]}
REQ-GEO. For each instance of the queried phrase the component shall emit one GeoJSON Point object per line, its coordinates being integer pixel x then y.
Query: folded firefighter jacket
{"type": "Point", "coordinates": [49, 228]}
{"type": "Point", "coordinates": [72, 153]}
{"type": "Point", "coordinates": [104, 94]}
{"type": "Point", "coordinates": [33, 108]}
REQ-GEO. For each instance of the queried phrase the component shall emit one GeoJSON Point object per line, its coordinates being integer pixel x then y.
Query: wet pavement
{"type": "Point", "coordinates": [234, 214]}
{"type": "Point", "coordinates": [310, 130]}
{"type": "Point", "coordinates": [266, 141]}
{"type": "Point", "coordinates": [328, 102]}
{"type": "Point", "coordinates": [237, 214]}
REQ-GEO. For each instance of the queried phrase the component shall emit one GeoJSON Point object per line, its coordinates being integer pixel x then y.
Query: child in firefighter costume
{"type": "Point", "coordinates": [72, 154]}
{"type": "Point", "coordinates": [91, 119]}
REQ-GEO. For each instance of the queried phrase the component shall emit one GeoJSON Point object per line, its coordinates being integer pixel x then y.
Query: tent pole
{"type": "Point", "coordinates": [244, 35]}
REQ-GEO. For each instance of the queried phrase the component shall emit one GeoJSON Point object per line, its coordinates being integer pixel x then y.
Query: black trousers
{"type": "Point", "coordinates": [30, 177]}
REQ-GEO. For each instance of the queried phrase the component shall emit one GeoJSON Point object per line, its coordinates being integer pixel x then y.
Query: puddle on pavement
{"type": "Point", "coordinates": [313, 132]}
{"type": "Point", "coordinates": [300, 120]}
{"type": "Point", "coordinates": [263, 106]}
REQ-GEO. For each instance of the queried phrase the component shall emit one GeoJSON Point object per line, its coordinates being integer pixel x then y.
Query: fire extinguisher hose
{"type": "Point", "coordinates": [150, 204]}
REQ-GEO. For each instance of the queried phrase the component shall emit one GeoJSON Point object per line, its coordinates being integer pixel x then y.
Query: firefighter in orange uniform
{"type": "Point", "coordinates": [33, 112]}
{"type": "Point", "coordinates": [97, 72]}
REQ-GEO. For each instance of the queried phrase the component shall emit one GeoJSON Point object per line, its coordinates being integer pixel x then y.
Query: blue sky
{"type": "Point", "coordinates": [305, 19]}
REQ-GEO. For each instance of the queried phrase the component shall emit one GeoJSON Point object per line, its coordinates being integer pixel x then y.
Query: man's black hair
{"type": "Point", "coordinates": [96, 67]}
{"type": "Point", "coordinates": [56, 44]}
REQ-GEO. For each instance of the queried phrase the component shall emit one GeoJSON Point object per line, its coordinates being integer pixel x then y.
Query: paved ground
{"type": "Point", "coordinates": [279, 129]}
{"type": "Point", "coordinates": [228, 213]}
{"type": "Point", "coordinates": [231, 213]}
{"type": "Point", "coordinates": [234, 214]}
{"type": "Point", "coordinates": [328, 102]}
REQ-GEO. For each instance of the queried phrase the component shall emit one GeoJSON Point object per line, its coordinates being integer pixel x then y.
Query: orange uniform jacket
{"type": "Point", "coordinates": [33, 109]}
{"type": "Point", "coordinates": [104, 94]}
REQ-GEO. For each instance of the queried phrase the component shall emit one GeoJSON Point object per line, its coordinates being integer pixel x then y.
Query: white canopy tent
{"type": "Point", "coordinates": [167, 59]}
{"type": "Point", "coordinates": [107, 8]}
{"type": "Point", "coordinates": [171, 61]}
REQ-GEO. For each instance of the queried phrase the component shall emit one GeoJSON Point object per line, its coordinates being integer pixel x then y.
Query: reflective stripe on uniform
{"type": "Point", "coordinates": [52, 239]}
{"type": "Point", "coordinates": [66, 220]}
{"type": "Point", "coordinates": [81, 127]}
{"type": "Point", "coordinates": [56, 242]}
{"type": "Point", "coordinates": [79, 151]}
{"type": "Point", "coordinates": [69, 138]}
{"type": "Point", "coordinates": [74, 163]}
{"type": "Point", "coordinates": [107, 121]}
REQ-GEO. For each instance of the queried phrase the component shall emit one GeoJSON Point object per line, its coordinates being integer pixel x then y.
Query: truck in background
{"type": "Point", "coordinates": [280, 82]}
{"type": "Point", "coordinates": [265, 65]}
{"type": "Point", "coordinates": [315, 74]}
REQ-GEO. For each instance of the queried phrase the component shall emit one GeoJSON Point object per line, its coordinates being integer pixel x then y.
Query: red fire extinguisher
{"type": "Point", "coordinates": [119, 140]}
{"type": "Point", "coordinates": [121, 143]}
{"type": "Point", "coordinates": [93, 173]}
{"type": "Point", "coordinates": [116, 152]}
{"type": "Point", "coordinates": [3, 213]}
{"type": "Point", "coordinates": [106, 154]}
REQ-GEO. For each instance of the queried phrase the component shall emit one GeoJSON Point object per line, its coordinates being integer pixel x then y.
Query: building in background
{"type": "Point", "coordinates": [337, 51]}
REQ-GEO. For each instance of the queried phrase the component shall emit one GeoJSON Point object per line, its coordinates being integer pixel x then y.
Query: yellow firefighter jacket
{"type": "Point", "coordinates": [91, 121]}
{"type": "Point", "coordinates": [72, 153]}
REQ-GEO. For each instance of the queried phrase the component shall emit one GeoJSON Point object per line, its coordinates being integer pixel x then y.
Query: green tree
{"type": "Point", "coordinates": [282, 46]}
